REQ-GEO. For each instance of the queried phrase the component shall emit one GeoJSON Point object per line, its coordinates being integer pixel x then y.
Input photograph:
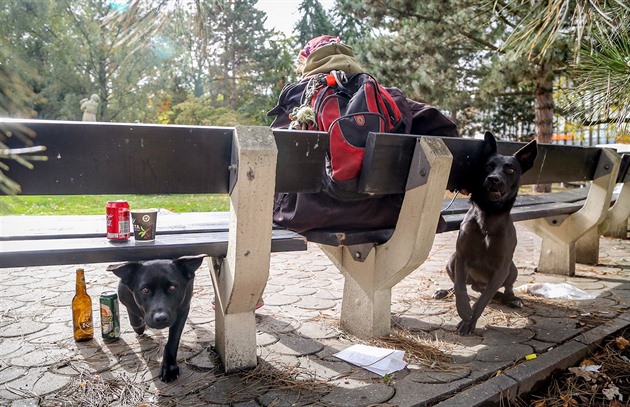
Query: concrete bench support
{"type": "Point", "coordinates": [366, 304]}
{"type": "Point", "coordinates": [239, 280]}
{"type": "Point", "coordinates": [615, 225]}
{"type": "Point", "coordinates": [560, 234]}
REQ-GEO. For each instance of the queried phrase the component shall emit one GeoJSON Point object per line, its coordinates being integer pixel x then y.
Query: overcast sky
{"type": "Point", "coordinates": [283, 14]}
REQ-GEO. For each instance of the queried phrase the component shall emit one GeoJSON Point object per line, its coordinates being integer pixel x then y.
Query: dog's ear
{"type": "Point", "coordinates": [125, 271]}
{"type": "Point", "coordinates": [527, 155]}
{"type": "Point", "coordinates": [189, 264]}
{"type": "Point", "coordinates": [489, 145]}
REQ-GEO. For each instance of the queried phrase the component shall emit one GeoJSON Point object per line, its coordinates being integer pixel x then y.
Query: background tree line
{"type": "Point", "coordinates": [488, 64]}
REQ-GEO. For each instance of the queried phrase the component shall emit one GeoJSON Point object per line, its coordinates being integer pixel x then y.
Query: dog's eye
{"type": "Point", "coordinates": [509, 170]}
{"type": "Point", "coordinates": [172, 288]}
{"type": "Point", "coordinates": [145, 290]}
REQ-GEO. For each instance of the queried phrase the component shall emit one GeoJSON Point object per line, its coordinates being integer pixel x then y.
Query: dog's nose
{"type": "Point", "coordinates": [160, 317]}
{"type": "Point", "coordinates": [493, 179]}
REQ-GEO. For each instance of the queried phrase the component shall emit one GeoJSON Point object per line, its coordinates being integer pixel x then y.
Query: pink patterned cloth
{"type": "Point", "coordinates": [318, 42]}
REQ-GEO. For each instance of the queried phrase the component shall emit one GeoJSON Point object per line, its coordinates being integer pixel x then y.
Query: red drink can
{"type": "Point", "coordinates": [118, 220]}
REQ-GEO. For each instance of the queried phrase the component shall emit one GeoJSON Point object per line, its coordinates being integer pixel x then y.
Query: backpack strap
{"type": "Point", "coordinates": [303, 116]}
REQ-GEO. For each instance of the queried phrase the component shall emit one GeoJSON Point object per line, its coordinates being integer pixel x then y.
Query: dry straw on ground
{"type": "Point", "coordinates": [91, 389]}
{"type": "Point", "coordinates": [288, 378]}
{"type": "Point", "coordinates": [417, 350]}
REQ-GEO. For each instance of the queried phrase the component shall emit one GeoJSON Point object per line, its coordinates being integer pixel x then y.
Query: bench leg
{"type": "Point", "coordinates": [556, 257]}
{"type": "Point", "coordinates": [587, 247]}
{"type": "Point", "coordinates": [616, 224]}
{"type": "Point", "coordinates": [365, 308]}
{"type": "Point", "coordinates": [235, 339]}
{"type": "Point", "coordinates": [618, 231]}
{"type": "Point", "coordinates": [366, 305]}
{"type": "Point", "coordinates": [560, 234]}
{"type": "Point", "coordinates": [242, 276]}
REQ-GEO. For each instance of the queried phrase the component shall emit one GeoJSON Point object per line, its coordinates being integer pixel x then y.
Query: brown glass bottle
{"type": "Point", "coordinates": [82, 310]}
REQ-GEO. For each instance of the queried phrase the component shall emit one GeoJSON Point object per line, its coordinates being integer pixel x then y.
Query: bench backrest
{"type": "Point", "coordinates": [121, 158]}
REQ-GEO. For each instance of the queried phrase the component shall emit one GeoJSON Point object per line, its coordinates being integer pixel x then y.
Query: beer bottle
{"type": "Point", "coordinates": [82, 310]}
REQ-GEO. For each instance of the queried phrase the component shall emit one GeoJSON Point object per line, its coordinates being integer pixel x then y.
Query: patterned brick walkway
{"type": "Point", "coordinates": [40, 364]}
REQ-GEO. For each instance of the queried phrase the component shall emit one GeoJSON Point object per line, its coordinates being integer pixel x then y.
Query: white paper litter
{"type": "Point", "coordinates": [563, 291]}
{"type": "Point", "coordinates": [377, 360]}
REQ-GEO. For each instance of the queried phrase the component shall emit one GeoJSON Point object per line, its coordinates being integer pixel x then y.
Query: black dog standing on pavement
{"type": "Point", "coordinates": [487, 237]}
{"type": "Point", "coordinates": [157, 293]}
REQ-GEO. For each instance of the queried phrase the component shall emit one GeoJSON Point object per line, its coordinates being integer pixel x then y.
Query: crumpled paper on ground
{"type": "Point", "coordinates": [562, 291]}
{"type": "Point", "coordinates": [377, 360]}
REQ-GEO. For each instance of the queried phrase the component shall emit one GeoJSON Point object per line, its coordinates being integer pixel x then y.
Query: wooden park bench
{"type": "Point", "coordinates": [250, 164]}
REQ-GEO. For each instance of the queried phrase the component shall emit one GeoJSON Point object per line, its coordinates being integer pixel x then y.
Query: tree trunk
{"type": "Point", "coordinates": [544, 110]}
{"type": "Point", "coordinates": [453, 116]}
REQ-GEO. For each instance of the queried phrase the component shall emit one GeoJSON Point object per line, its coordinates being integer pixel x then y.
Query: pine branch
{"type": "Point", "coordinates": [23, 157]}
{"type": "Point", "coordinates": [440, 20]}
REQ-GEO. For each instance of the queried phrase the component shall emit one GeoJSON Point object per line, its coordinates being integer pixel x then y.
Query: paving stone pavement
{"type": "Point", "coordinates": [298, 333]}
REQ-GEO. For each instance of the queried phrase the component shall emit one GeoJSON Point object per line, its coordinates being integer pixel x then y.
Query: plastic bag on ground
{"type": "Point", "coordinates": [561, 291]}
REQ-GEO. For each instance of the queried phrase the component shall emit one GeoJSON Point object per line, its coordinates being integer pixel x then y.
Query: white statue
{"type": "Point", "coordinates": [89, 108]}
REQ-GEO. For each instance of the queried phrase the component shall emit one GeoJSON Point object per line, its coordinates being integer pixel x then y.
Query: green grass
{"type": "Point", "coordinates": [95, 204]}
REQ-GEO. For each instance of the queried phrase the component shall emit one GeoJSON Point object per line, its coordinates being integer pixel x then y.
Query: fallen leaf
{"type": "Point", "coordinates": [621, 342]}
{"type": "Point", "coordinates": [583, 373]}
{"type": "Point", "coordinates": [611, 391]}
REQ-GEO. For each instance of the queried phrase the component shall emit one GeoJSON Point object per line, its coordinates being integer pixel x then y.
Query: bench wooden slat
{"type": "Point", "coordinates": [553, 164]}
{"type": "Point", "coordinates": [386, 163]}
{"type": "Point", "coordinates": [624, 169]}
{"type": "Point", "coordinates": [83, 226]}
{"type": "Point", "coordinates": [116, 158]}
{"type": "Point", "coordinates": [569, 196]}
{"type": "Point", "coordinates": [461, 205]}
{"type": "Point", "coordinates": [527, 212]}
{"type": "Point", "coordinates": [557, 163]}
{"type": "Point", "coordinates": [44, 252]}
{"type": "Point", "coordinates": [301, 160]}
{"type": "Point", "coordinates": [524, 212]}
{"type": "Point", "coordinates": [526, 206]}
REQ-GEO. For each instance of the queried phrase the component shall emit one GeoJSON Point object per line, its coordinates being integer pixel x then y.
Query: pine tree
{"type": "Point", "coordinates": [463, 55]}
{"type": "Point", "coordinates": [350, 28]}
{"type": "Point", "coordinates": [598, 39]}
{"type": "Point", "coordinates": [313, 22]}
{"type": "Point", "coordinates": [436, 51]}
{"type": "Point", "coordinates": [236, 41]}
